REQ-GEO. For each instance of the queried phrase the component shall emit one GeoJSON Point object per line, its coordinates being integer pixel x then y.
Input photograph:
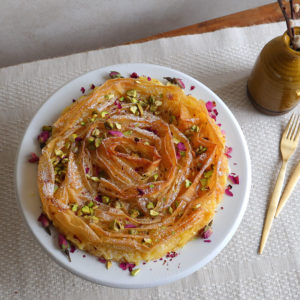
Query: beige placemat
{"type": "Point", "coordinates": [222, 60]}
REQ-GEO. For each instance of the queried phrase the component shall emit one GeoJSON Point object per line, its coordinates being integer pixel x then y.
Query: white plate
{"type": "Point", "coordinates": [196, 253]}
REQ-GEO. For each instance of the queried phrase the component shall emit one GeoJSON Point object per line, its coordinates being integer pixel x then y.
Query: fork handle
{"type": "Point", "coordinates": [272, 207]}
{"type": "Point", "coordinates": [288, 189]}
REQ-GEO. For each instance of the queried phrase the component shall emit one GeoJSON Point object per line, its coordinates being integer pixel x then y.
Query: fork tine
{"type": "Point", "coordinates": [297, 127]}
{"type": "Point", "coordinates": [289, 126]}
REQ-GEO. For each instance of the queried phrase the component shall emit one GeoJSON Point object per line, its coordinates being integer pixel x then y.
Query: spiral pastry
{"type": "Point", "coordinates": [133, 170]}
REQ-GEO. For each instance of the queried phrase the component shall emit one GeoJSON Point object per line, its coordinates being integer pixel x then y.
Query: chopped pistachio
{"type": "Point", "coordinates": [172, 119]}
{"type": "Point", "coordinates": [134, 213]}
{"type": "Point", "coordinates": [201, 150]}
{"type": "Point", "coordinates": [133, 100]}
{"type": "Point", "coordinates": [55, 187]}
{"type": "Point", "coordinates": [108, 264]}
{"type": "Point", "coordinates": [88, 176]}
{"type": "Point", "coordinates": [153, 108]}
{"type": "Point", "coordinates": [105, 199]}
{"type": "Point", "coordinates": [58, 152]}
{"type": "Point", "coordinates": [195, 128]}
{"type": "Point", "coordinates": [135, 272]}
{"type": "Point", "coordinates": [131, 93]}
{"type": "Point", "coordinates": [109, 96]}
{"type": "Point", "coordinates": [96, 132]}
{"type": "Point", "coordinates": [73, 137]}
{"type": "Point", "coordinates": [151, 100]}
{"type": "Point", "coordinates": [109, 125]}
{"type": "Point", "coordinates": [85, 209]}
{"type": "Point", "coordinates": [208, 174]}
{"type": "Point", "coordinates": [140, 109]}
{"type": "Point", "coordinates": [94, 115]}
{"type": "Point", "coordinates": [118, 126]}
{"type": "Point", "coordinates": [47, 128]}
{"type": "Point", "coordinates": [94, 219]}
{"type": "Point", "coordinates": [153, 213]}
{"type": "Point", "coordinates": [98, 142]}
{"type": "Point", "coordinates": [118, 225]}
{"type": "Point", "coordinates": [158, 103]}
{"type": "Point", "coordinates": [176, 203]}
{"type": "Point", "coordinates": [170, 210]}
{"type": "Point", "coordinates": [74, 207]}
{"type": "Point", "coordinates": [150, 205]}
{"type": "Point", "coordinates": [90, 204]}
{"type": "Point", "coordinates": [65, 160]}
{"type": "Point", "coordinates": [95, 179]}
{"type": "Point", "coordinates": [95, 207]}
{"type": "Point", "coordinates": [121, 99]}
{"type": "Point", "coordinates": [67, 145]}
{"type": "Point", "coordinates": [103, 114]}
{"type": "Point", "coordinates": [117, 204]}
{"type": "Point", "coordinates": [91, 139]}
{"type": "Point", "coordinates": [155, 176]}
{"type": "Point", "coordinates": [188, 183]}
{"type": "Point", "coordinates": [79, 213]}
{"type": "Point", "coordinates": [147, 143]}
{"type": "Point", "coordinates": [128, 132]}
{"type": "Point", "coordinates": [91, 120]}
{"type": "Point", "coordinates": [151, 186]}
{"type": "Point", "coordinates": [147, 241]}
{"type": "Point", "coordinates": [176, 141]}
{"type": "Point", "coordinates": [133, 109]}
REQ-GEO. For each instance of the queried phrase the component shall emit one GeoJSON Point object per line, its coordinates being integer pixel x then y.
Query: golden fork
{"type": "Point", "coordinates": [288, 144]}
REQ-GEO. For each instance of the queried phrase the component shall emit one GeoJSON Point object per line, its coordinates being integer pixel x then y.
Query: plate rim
{"type": "Point", "coordinates": [172, 277]}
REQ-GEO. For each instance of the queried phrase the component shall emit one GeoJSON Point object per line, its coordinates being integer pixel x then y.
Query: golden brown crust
{"type": "Point", "coordinates": [128, 183]}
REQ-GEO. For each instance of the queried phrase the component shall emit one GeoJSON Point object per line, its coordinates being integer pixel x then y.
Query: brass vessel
{"type": "Point", "coordinates": [274, 84]}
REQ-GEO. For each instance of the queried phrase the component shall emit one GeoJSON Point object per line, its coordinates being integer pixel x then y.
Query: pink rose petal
{"type": "Point", "coordinates": [33, 158]}
{"type": "Point", "coordinates": [115, 133]}
{"type": "Point", "coordinates": [234, 178]}
{"type": "Point", "coordinates": [181, 147]}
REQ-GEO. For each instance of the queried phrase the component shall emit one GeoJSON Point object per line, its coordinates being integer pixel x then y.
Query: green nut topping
{"type": "Point", "coordinates": [131, 93]}
{"type": "Point", "coordinates": [105, 199]}
{"type": "Point", "coordinates": [147, 241]}
{"type": "Point", "coordinates": [96, 132]}
{"type": "Point", "coordinates": [188, 183]}
{"type": "Point", "coordinates": [91, 139]}
{"type": "Point", "coordinates": [58, 152]}
{"type": "Point", "coordinates": [98, 142]}
{"type": "Point", "coordinates": [150, 205]}
{"type": "Point", "coordinates": [85, 209]}
{"type": "Point", "coordinates": [133, 109]}
{"type": "Point", "coordinates": [109, 96]}
{"type": "Point", "coordinates": [197, 206]}
{"type": "Point", "coordinates": [55, 188]}
{"type": "Point", "coordinates": [103, 114]}
{"type": "Point", "coordinates": [203, 181]}
{"type": "Point", "coordinates": [132, 231]}
{"type": "Point", "coordinates": [195, 128]}
{"type": "Point", "coordinates": [208, 174]}
{"type": "Point", "coordinates": [47, 128]}
{"type": "Point", "coordinates": [127, 133]}
{"type": "Point", "coordinates": [155, 176]}
{"type": "Point", "coordinates": [201, 150]}
{"type": "Point", "coordinates": [109, 125]}
{"type": "Point", "coordinates": [95, 179]}
{"type": "Point", "coordinates": [121, 99]}
{"type": "Point", "coordinates": [90, 204]}
{"type": "Point", "coordinates": [74, 207]}
{"type": "Point", "coordinates": [135, 272]}
{"type": "Point", "coordinates": [118, 225]}
{"type": "Point", "coordinates": [170, 210]}
{"type": "Point", "coordinates": [73, 137]}
{"type": "Point", "coordinates": [153, 213]}
{"type": "Point", "coordinates": [176, 141]}
{"type": "Point", "coordinates": [118, 126]}
{"type": "Point", "coordinates": [151, 186]}
{"type": "Point", "coordinates": [134, 213]}
{"type": "Point", "coordinates": [140, 109]}
{"type": "Point", "coordinates": [108, 264]}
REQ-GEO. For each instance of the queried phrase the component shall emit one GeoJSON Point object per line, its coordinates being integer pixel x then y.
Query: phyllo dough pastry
{"type": "Point", "coordinates": [133, 170]}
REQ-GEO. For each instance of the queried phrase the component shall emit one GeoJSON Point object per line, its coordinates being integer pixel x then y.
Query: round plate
{"type": "Point", "coordinates": [196, 253]}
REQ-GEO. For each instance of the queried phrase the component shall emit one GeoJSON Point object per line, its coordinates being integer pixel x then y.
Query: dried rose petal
{"type": "Point", "coordinates": [114, 74]}
{"type": "Point", "coordinates": [92, 86]}
{"type": "Point", "coordinates": [149, 78]}
{"type": "Point", "coordinates": [176, 81]}
{"type": "Point", "coordinates": [98, 198]}
{"type": "Point", "coordinates": [209, 106]}
{"type": "Point", "coordinates": [82, 90]}
{"type": "Point", "coordinates": [33, 158]}
{"type": "Point", "coordinates": [78, 139]}
{"type": "Point", "coordinates": [43, 137]}
{"type": "Point", "coordinates": [102, 260]}
{"type": "Point", "coordinates": [181, 146]}
{"type": "Point", "coordinates": [87, 170]}
{"type": "Point", "coordinates": [64, 245]}
{"type": "Point", "coordinates": [74, 100]}
{"type": "Point", "coordinates": [207, 241]}
{"type": "Point", "coordinates": [115, 133]}
{"type": "Point", "coordinates": [228, 150]}
{"type": "Point", "coordinates": [123, 266]}
{"type": "Point", "coordinates": [228, 192]}
{"type": "Point", "coordinates": [134, 75]}
{"type": "Point", "coordinates": [44, 222]}
{"type": "Point", "coordinates": [215, 112]}
{"type": "Point", "coordinates": [207, 233]}
{"type": "Point", "coordinates": [130, 226]}
{"type": "Point", "coordinates": [234, 178]}
{"type": "Point", "coordinates": [117, 102]}
{"type": "Point", "coordinates": [192, 87]}
{"type": "Point", "coordinates": [151, 130]}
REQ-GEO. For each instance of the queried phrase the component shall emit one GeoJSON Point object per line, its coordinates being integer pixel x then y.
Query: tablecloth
{"type": "Point", "coordinates": [222, 60]}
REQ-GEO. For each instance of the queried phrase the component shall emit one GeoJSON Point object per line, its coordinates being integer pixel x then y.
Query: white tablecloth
{"type": "Point", "coordinates": [221, 60]}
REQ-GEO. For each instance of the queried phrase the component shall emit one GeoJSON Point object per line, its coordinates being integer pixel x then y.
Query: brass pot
{"type": "Point", "coordinates": [274, 84]}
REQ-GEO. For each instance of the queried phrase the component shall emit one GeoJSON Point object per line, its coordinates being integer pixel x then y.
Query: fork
{"type": "Point", "coordinates": [288, 144]}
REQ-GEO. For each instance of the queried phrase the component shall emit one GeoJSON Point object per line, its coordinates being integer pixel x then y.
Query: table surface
{"type": "Point", "coordinates": [263, 14]}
